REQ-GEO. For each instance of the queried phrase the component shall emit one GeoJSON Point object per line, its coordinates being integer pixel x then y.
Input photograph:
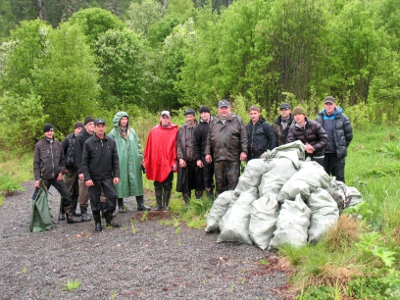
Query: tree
{"type": "Point", "coordinates": [142, 15]}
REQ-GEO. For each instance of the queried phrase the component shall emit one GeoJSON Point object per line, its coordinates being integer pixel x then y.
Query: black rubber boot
{"type": "Point", "coordinates": [186, 198]}
{"type": "Point", "coordinates": [199, 194]}
{"type": "Point", "coordinates": [159, 200]}
{"type": "Point", "coordinates": [109, 219]}
{"type": "Point", "coordinates": [84, 216]}
{"type": "Point", "coordinates": [140, 204]}
{"type": "Point", "coordinates": [121, 205]}
{"type": "Point", "coordinates": [97, 221]}
{"type": "Point", "coordinates": [166, 197]}
{"type": "Point", "coordinates": [61, 216]}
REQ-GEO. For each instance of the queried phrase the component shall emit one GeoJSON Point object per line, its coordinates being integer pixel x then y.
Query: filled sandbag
{"type": "Point", "coordinates": [307, 179]}
{"type": "Point", "coordinates": [218, 210]}
{"type": "Point", "coordinates": [234, 225]}
{"type": "Point", "coordinates": [324, 213]}
{"type": "Point", "coordinates": [344, 196]}
{"type": "Point", "coordinates": [263, 217]}
{"type": "Point", "coordinates": [292, 224]}
{"type": "Point", "coordinates": [251, 176]}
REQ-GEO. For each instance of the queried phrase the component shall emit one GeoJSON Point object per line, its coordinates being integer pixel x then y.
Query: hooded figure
{"type": "Point", "coordinates": [130, 162]}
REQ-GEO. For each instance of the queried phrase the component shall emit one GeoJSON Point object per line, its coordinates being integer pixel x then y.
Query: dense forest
{"type": "Point", "coordinates": [61, 60]}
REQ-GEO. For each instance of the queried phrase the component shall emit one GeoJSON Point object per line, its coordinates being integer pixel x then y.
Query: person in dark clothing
{"type": "Point", "coordinates": [49, 166]}
{"type": "Point", "coordinates": [340, 134]}
{"type": "Point", "coordinates": [190, 176]}
{"type": "Point", "coordinates": [260, 136]}
{"type": "Point", "coordinates": [83, 198]}
{"type": "Point", "coordinates": [199, 147]}
{"type": "Point", "coordinates": [71, 173]}
{"type": "Point", "coordinates": [310, 133]}
{"type": "Point", "coordinates": [100, 167]}
{"type": "Point", "coordinates": [282, 124]}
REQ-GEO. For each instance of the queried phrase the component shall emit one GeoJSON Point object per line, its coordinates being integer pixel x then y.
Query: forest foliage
{"type": "Point", "coordinates": [63, 60]}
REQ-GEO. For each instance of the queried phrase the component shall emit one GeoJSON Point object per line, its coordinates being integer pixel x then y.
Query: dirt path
{"type": "Point", "coordinates": [157, 262]}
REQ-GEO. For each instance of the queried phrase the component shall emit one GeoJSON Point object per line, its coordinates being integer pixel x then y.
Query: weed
{"type": "Point", "coordinates": [178, 230]}
{"type": "Point", "coordinates": [24, 269]}
{"type": "Point", "coordinates": [72, 285]}
{"type": "Point", "coordinates": [145, 216]}
{"type": "Point", "coordinates": [113, 294]}
{"type": "Point", "coordinates": [134, 230]}
{"type": "Point", "coordinates": [179, 242]}
{"type": "Point", "coordinates": [232, 288]}
{"type": "Point", "coordinates": [1, 200]}
{"type": "Point", "coordinates": [9, 186]}
{"type": "Point", "coordinates": [264, 261]}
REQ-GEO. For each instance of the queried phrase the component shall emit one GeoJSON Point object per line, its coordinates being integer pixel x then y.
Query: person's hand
{"type": "Point", "coordinates": [182, 163]}
{"type": "Point", "coordinates": [116, 180]}
{"type": "Point", "coordinates": [66, 171]}
{"type": "Point", "coordinates": [243, 156]}
{"type": "Point", "coordinates": [80, 176]}
{"type": "Point", "coordinates": [89, 182]}
{"type": "Point", "coordinates": [37, 184]}
{"type": "Point", "coordinates": [200, 164]}
{"type": "Point", "coordinates": [175, 167]}
{"type": "Point", "coordinates": [59, 177]}
{"type": "Point", "coordinates": [209, 158]}
{"type": "Point", "coordinates": [309, 148]}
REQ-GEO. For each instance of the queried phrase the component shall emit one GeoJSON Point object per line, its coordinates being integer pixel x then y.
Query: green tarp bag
{"type": "Point", "coordinates": [40, 218]}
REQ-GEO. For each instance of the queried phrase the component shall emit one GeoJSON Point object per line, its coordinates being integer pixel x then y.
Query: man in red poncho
{"type": "Point", "coordinates": [160, 158]}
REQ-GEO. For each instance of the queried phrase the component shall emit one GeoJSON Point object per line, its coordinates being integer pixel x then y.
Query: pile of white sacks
{"type": "Point", "coordinates": [280, 198]}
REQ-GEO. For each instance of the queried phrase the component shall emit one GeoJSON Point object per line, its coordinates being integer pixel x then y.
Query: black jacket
{"type": "Point", "coordinates": [69, 150]}
{"type": "Point", "coordinates": [260, 138]}
{"type": "Point", "coordinates": [80, 140]}
{"type": "Point", "coordinates": [100, 158]}
{"type": "Point", "coordinates": [200, 139]}
{"type": "Point", "coordinates": [343, 132]}
{"type": "Point", "coordinates": [281, 134]}
{"type": "Point", "coordinates": [48, 160]}
{"type": "Point", "coordinates": [312, 133]}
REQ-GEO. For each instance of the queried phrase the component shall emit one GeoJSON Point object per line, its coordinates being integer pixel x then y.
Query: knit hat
{"type": "Point", "coordinates": [329, 99]}
{"type": "Point", "coordinates": [88, 119]}
{"type": "Point", "coordinates": [299, 110]}
{"type": "Point", "coordinates": [284, 106]}
{"type": "Point", "coordinates": [204, 108]}
{"type": "Point", "coordinates": [78, 125]}
{"type": "Point", "coordinates": [48, 127]}
{"type": "Point", "coordinates": [189, 111]}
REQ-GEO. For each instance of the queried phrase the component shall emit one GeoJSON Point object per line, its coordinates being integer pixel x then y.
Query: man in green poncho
{"type": "Point", "coordinates": [130, 162]}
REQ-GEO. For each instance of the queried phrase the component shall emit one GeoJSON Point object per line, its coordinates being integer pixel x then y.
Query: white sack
{"type": "Point", "coordinates": [263, 216]}
{"type": "Point", "coordinates": [218, 210]}
{"type": "Point", "coordinates": [234, 225]}
{"type": "Point", "coordinates": [251, 176]}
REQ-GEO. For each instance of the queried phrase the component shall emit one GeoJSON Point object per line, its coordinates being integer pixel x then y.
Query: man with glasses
{"type": "Point", "coordinates": [340, 133]}
{"type": "Point", "coordinates": [282, 124]}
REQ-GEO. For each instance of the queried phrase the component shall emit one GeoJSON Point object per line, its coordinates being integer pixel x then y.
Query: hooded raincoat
{"type": "Point", "coordinates": [130, 159]}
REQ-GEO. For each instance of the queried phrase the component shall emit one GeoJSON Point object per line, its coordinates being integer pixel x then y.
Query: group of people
{"type": "Point", "coordinates": [108, 168]}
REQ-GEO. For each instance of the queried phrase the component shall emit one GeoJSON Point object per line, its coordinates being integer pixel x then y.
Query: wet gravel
{"type": "Point", "coordinates": [150, 261]}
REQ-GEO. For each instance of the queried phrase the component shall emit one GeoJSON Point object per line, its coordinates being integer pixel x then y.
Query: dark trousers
{"type": "Point", "coordinates": [166, 184]}
{"type": "Point", "coordinates": [226, 175]}
{"type": "Point", "coordinates": [95, 192]}
{"type": "Point", "coordinates": [194, 177]}
{"type": "Point", "coordinates": [61, 187]}
{"type": "Point", "coordinates": [319, 159]}
{"type": "Point", "coordinates": [334, 166]}
{"type": "Point", "coordinates": [71, 180]}
{"type": "Point", "coordinates": [208, 173]}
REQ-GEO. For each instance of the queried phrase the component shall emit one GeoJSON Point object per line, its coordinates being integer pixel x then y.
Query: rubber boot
{"type": "Point", "coordinates": [159, 200]}
{"type": "Point", "coordinates": [70, 217]}
{"type": "Point", "coordinates": [121, 205]}
{"type": "Point", "coordinates": [97, 222]}
{"type": "Point", "coordinates": [199, 194]}
{"type": "Point", "coordinates": [84, 215]}
{"type": "Point", "coordinates": [140, 204]}
{"type": "Point", "coordinates": [209, 193]}
{"type": "Point", "coordinates": [186, 198]}
{"type": "Point", "coordinates": [61, 215]}
{"type": "Point", "coordinates": [166, 196]}
{"type": "Point", "coordinates": [109, 219]}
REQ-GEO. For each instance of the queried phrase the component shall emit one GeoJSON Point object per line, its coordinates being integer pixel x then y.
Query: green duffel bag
{"type": "Point", "coordinates": [41, 217]}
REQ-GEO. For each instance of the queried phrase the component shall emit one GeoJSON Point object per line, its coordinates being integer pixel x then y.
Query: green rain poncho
{"type": "Point", "coordinates": [130, 159]}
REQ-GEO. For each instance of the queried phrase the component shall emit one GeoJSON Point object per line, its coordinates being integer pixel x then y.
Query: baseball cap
{"type": "Point", "coordinates": [223, 103]}
{"type": "Point", "coordinates": [165, 113]}
{"type": "Point", "coordinates": [284, 106]}
{"type": "Point", "coordinates": [99, 121]}
{"type": "Point", "coordinates": [329, 99]}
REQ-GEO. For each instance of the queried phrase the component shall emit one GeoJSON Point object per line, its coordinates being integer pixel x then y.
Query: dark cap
{"type": "Point", "coordinates": [223, 103]}
{"type": "Point", "coordinates": [204, 108]}
{"type": "Point", "coordinates": [329, 99]}
{"type": "Point", "coordinates": [99, 121]}
{"type": "Point", "coordinates": [88, 119]}
{"type": "Point", "coordinates": [165, 113]}
{"type": "Point", "coordinates": [78, 125]}
{"type": "Point", "coordinates": [284, 106]}
{"type": "Point", "coordinates": [48, 127]}
{"type": "Point", "coordinates": [189, 111]}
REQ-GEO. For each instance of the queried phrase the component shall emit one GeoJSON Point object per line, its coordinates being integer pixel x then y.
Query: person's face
{"type": "Point", "coordinates": [165, 120]}
{"type": "Point", "coordinates": [49, 134]}
{"type": "Point", "coordinates": [78, 130]}
{"type": "Point", "coordinates": [224, 111]}
{"type": "Point", "coordinates": [189, 119]}
{"type": "Point", "coordinates": [254, 116]}
{"type": "Point", "coordinates": [123, 122]}
{"type": "Point", "coordinates": [205, 116]}
{"type": "Point", "coordinates": [329, 108]}
{"type": "Point", "coordinates": [285, 113]}
{"type": "Point", "coordinates": [100, 129]}
{"type": "Point", "coordinates": [90, 127]}
{"type": "Point", "coordinates": [299, 118]}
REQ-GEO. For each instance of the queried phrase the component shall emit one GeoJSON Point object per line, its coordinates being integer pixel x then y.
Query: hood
{"type": "Point", "coordinates": [118, 116]}
{"type": "Point", "coordinates": [338, 110]}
